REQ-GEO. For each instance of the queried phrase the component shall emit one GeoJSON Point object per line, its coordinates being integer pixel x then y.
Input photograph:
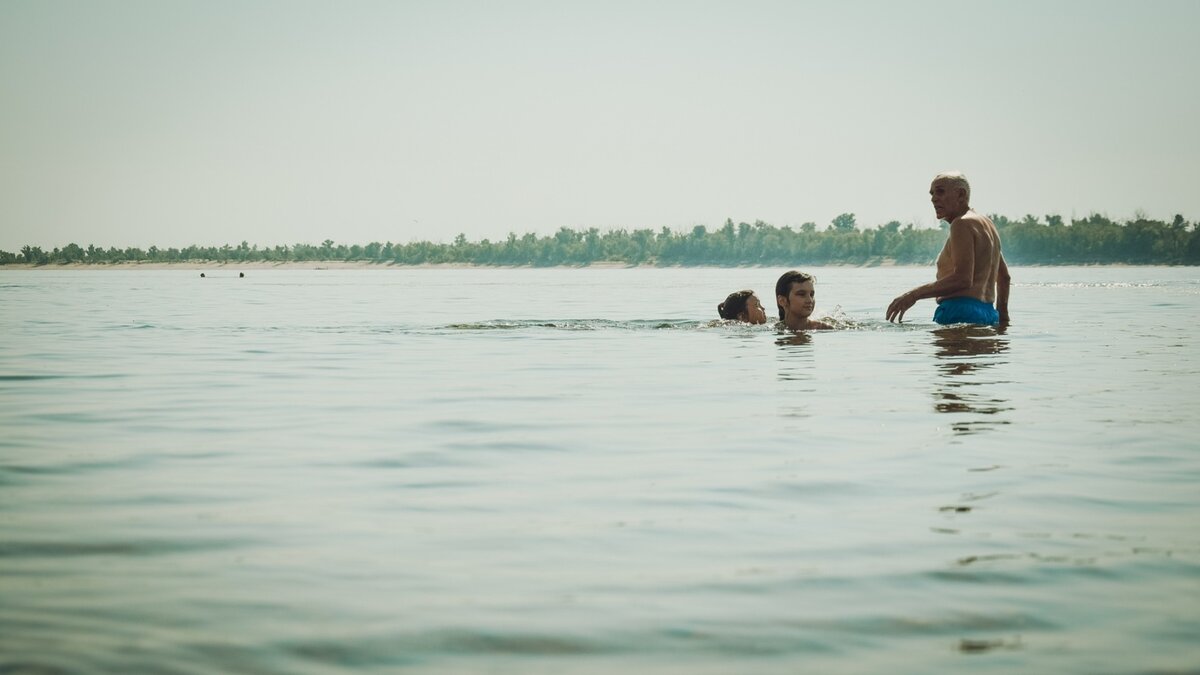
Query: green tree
{"type": "Point", "coordinates": [844, 223]}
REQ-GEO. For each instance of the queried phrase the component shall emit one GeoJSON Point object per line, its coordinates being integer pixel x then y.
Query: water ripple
{"type": "Point", "coordinates": [135, 548]}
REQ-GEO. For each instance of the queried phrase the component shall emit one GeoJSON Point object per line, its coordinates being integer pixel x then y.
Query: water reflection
{"type": "Point", "coordinates": [968, 357]}
{"type": "Point", "coordinates": [796, 360]}
{"type": "Point", "coordinates": [794, 339]}
{"type": "Point", "coordinates": [795, 374]}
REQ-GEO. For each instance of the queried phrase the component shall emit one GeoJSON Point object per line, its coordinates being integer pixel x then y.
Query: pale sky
{"type": "Point", "coordinates": [138, 123]}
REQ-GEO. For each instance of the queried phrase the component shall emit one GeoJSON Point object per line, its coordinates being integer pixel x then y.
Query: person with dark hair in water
{"type": "Point", "coordinates": [796, 298]}
{"type": "Point", "coordinates": [742, 306]}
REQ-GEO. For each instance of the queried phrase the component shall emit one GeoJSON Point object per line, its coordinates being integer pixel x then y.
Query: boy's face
{"type": "Point", "coordinates": [800, 301]}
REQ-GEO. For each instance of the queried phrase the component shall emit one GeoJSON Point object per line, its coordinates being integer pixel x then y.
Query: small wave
{"type": "Point", "coordinates": [401, 649]}
{"type": "Point", "coordinates": [29, 378]}
{"type": "Point", "coordinates": [35, 378]}
{"type": "Point", "coordinates": [577, 325]}
{"type": "Point", "coordinates": [59, 549]}
{"type": "Point", "coordinates": [838, 319]}
{"type": "Point", "coordinates": [1095, 284]}
{"type": "Point", "coordinates": [67, 468]}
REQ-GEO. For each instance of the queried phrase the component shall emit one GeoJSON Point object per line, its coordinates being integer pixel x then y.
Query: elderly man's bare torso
{"type": "Point", "coordinates": [982, 266]}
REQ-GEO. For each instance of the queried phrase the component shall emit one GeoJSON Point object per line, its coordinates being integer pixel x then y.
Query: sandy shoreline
{"type": "Point", "coordinates": [202, 265]}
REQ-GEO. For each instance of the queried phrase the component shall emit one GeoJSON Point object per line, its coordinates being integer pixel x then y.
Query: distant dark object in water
{"type": "Point", "coordinates": [202, 275]}
{"type": "Point", "coordinates": [979, 646]}
{"type": "Point", "coordinates": [241, 275]}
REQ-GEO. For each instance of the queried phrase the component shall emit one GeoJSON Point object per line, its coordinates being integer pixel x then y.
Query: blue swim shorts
{"type": "Point", "coordinates": [966, 310]}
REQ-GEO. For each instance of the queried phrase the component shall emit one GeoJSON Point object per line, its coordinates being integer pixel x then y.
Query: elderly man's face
{"type": "Point", "coordinates": [949, 202]}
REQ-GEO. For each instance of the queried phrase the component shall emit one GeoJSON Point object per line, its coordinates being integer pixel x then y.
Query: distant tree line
{"type": "Point", "coordinates": [1094, 239]}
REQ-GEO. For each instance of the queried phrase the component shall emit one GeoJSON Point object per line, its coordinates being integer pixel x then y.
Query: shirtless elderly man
{"type": "Point", "coordinates": [971, 272]}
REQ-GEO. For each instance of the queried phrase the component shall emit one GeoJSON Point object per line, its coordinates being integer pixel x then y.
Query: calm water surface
{"type": "Point", "coordinates": [573, 471]}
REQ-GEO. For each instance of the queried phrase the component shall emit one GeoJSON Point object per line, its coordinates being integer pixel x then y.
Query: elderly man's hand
{"type": "Point", "coordinates": [896, 310]}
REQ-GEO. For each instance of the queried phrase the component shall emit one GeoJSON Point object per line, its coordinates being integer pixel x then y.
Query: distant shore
{"type": "Point", "coordinates": [202, 265]}
{"type": "Point", "coordinates": [1095, 240]}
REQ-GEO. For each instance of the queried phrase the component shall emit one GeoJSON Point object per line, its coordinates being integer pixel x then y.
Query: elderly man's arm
{"type": "Point", "coordinates": [1003, 281]}
{"type": "Point", "coordinates": [962, 253]}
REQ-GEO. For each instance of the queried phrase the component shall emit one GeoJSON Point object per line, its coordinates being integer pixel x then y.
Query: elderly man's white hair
{"type": "Point", "coordinates": [956, 179]}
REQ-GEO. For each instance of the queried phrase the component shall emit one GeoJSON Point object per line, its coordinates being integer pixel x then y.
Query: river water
{"type": "Point", "coordinates": [574, 471]}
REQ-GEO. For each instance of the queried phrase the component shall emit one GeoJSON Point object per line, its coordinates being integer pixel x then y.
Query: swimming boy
{"type": "Point", "coordinates": [796, 298]}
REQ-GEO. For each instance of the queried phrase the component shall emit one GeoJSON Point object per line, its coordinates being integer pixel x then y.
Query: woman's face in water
{"type": "Point", "coordinates": [754, 310]}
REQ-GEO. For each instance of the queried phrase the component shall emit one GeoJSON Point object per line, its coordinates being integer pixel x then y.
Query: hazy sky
{"type": "Point", "coordinates": [132, 123]}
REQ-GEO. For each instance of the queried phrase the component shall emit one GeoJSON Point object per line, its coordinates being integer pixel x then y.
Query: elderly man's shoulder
{"type": "Point", "coordinates": [971, 217]}
{"type": "Point", "coordinates": [972, 222]}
